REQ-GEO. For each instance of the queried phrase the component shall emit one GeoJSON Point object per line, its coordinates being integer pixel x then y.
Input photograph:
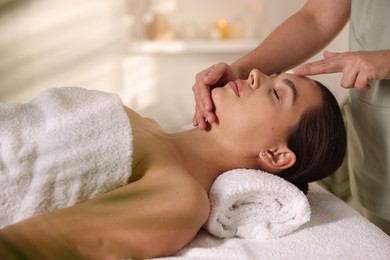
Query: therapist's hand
{"type": "Point", "coordinates": [215, 76]}
{"type": "Point", "coordinates": [357, 67]}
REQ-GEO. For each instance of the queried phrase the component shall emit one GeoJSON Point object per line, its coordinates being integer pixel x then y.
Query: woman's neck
{"type": "Point", "coordinates": [204, 154]}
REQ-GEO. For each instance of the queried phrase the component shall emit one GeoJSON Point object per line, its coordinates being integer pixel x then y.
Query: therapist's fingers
{"type": "Point", "coordinates": [203, 107]}
{"type": "Point", "coordinates": [203, 103]}
{"type": "Point", "coordinates": [215, 76]}
{"type": "Point", "coordinates": [325, 66]}
{"type": "Point", "coordinates": [200, 119]}
{"type": "Point", "coordinates": [218, 75]}
{"type": "Point", "coordinates": [353, 75]}
{"type": "Point", "coordinates": [355, 78]}
{"type": "Point", "coordinates": [204, 81]}
{"type": "Point", "coordinates": [211, 77]}
{"type": "Point", "coordinates": [362, 82]}
{"type": "Point", "coordinates": [349, 78]}
{"type": "Point", "coordinates": [358, 68]}
{"type": "Point", "coordinates": [330, 54]}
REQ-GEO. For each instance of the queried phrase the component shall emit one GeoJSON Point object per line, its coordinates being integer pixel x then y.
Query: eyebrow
{"type": "Point", "coordinates": [292, 87]}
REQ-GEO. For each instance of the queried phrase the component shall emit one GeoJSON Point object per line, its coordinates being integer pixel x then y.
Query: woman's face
{"type": "Point", "coordinates": [259, 111]}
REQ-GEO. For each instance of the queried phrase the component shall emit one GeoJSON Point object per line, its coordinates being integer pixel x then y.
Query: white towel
{"type": "Point", "coordinates": [66, 146]}
{"type": "Point", "coordinates": [255, 204]}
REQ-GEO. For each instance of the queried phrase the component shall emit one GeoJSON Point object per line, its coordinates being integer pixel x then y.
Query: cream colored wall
{"type": "Point", "coordinates": [52, 43]}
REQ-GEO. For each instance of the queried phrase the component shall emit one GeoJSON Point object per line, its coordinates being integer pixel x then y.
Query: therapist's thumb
{"type": "Point", "coordinates": [215, 73]}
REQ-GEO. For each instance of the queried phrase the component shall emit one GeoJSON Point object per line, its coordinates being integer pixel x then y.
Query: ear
{"type": "Point", "coordinates": [278, 159]}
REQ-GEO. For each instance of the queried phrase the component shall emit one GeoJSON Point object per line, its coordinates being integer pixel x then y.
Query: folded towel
{"type": "Point", "coordinates": [66, 146]}
{"type": "Point", "coordinates": [255, 204]}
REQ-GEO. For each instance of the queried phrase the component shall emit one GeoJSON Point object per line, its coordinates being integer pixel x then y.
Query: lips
{"type": "Point", "coordinates": [235, 87]}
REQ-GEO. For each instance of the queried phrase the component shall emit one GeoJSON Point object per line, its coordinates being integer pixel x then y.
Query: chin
{"type": "Point", "coordinates": [215, 98]}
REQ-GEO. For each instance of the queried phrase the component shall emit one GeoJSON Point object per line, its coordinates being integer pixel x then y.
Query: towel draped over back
{"type": "Point", "coordinates": [65, 146]}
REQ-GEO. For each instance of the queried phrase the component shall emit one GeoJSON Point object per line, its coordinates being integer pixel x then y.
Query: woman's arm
{"type": "Point", "coordinates": [148, 218]}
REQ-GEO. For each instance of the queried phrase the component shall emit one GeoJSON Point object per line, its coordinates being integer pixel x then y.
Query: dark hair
{"type": "Point", "coordinates": [319, 142]}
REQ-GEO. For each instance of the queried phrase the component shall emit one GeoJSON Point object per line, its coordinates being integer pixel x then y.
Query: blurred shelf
{"type": "Point", "coordinates": [188, 47]}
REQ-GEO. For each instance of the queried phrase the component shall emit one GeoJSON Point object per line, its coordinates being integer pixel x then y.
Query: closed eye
{"type": "Point", "coordinates": [276, 94]}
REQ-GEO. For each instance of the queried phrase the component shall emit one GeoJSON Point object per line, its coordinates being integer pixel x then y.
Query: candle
{"type": "Point", "coordinates": [223, 28]}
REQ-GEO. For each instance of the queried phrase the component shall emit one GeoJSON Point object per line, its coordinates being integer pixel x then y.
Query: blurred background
{"type": "Point", "coordinates": [147, 51]}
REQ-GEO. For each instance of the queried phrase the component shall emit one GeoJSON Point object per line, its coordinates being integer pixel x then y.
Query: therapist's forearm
{"type": "Point", "coordinates": [301, 36]}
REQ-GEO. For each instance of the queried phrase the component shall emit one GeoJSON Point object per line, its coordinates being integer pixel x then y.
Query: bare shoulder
{"type": "Point", "coordinates": [130, 113]}
{"type": "Point", "coordinates": [165, 212]}
{"type": "Point", "coordinates": [174, 187]}
{"type": "Point", "coordinates": [134, 116]}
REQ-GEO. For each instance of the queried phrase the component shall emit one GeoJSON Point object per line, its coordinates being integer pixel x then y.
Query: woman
{"type": "Point", "coordinates": [166, 203]}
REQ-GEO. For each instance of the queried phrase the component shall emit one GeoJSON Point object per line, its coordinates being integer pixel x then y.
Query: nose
{"type": "Point", "coordinates": [256, 78]}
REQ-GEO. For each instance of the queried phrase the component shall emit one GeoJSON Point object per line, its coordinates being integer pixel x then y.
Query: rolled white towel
{"type": "Point", "coordinates": [255, 204]}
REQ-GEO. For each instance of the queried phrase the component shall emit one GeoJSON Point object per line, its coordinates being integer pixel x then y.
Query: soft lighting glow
{"type": "Point", "coordinates": [223, 28]}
